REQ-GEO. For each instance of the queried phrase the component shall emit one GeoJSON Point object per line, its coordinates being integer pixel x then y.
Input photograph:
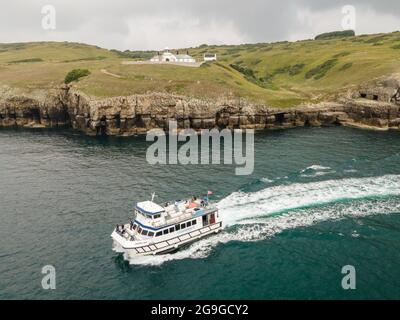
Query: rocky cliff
{"type": "Point", "coordinates": [136, 114]}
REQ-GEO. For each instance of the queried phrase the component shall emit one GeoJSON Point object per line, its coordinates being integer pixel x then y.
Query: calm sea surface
{"type": "Point", "coordinates": [319, 199]}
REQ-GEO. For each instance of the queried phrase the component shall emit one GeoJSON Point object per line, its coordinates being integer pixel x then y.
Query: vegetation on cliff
{"type": "Point", "coordinates": [277, 74]}
{"type": "Point", "coordinates": [335, 34]}
{"type": "Point", "coordinates": [75, 75]}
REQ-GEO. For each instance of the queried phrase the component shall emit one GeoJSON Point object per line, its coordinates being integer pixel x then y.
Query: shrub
{"type": "Point", "coordinates": [320, 71]}
{"type": "Point", "coordinates": [376, 39]}
{"type": "Point", "coordinates": [98, 58]}
{"type": "Point", "coordinates": [27, 60]}
{"type": "Point", "coordinates": [296, 69]}
{"type": "Point", "coordinates": [75, 74]}
{"type": "Point", "coordinates": [256, 62]}
{"type": "Point", "coordinates": [268, 77]}
{"type": "Point", "coordinates": [282, 70]}
{"type": "Point", "coordinates": [397, 46]}
{"type": "Point", "coordinates": [145, 55]}
{"type": "Point", "coordinates": [342, 54]}
{"type": "Point", "coordinates": [245, 71]}
{"type": "Point", "coordinates": [335, 34]}
{"type": "Point", "coordinates": [346, 66]}
{"type": "Point", "coordinates": [291, 70]}
{"type": "Point", "coordinates": [251, 77]}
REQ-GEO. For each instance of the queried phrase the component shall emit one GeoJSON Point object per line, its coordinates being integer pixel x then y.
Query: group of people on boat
{"type": "Point", "coordinates": [194, 202]}
{"type": "Point", "coordinates": [120, 228]}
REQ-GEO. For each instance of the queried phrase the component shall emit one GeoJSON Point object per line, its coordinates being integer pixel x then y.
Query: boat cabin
{"type": "Point", "coordinates": [153, 220]}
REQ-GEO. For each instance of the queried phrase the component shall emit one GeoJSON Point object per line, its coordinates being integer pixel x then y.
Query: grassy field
{"type": "Point", "coordinates": [279, 74]}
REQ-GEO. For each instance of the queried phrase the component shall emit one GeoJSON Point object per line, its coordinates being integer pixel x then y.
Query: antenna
{"type": "Point", "coordinates": [153, 196]}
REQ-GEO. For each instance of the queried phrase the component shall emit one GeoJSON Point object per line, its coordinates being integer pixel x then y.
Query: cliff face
{"type": "Point", "coordinates": [37, 110]}
{"type": "Point", "coordinates": [132, 115]}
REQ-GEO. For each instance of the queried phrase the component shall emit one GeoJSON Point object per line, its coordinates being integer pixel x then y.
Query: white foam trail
{"type": "Point", "coordinates": [267, 227]}
{"type": "Point", "coordinates": [316, 167]}
{"type": "Point", "coordinates": [255, 213]}
{"type": "Point", "coordinates": [266, 180]}
{"type": "Point", "coordinates": [260, 229]}
{"type": "Point", "coordinates": [240, 205]}
{"type": "Point", "coordinates": [316, 171]}
{"type": "Point", "coordinates": [316, 174]}
{"type": "Point", "coordinates": [310, 172]}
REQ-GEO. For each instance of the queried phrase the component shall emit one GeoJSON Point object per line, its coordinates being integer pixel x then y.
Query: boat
{"type": "Point", "coordinates": [157, 229]}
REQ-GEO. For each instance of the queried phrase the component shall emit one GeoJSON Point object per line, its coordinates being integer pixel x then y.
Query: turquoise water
{"type": "Point", "coordinates": [319, 199]}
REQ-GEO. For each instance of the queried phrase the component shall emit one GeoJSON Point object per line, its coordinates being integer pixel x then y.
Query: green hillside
{"type": "Point", "coordinates": [279, 74]}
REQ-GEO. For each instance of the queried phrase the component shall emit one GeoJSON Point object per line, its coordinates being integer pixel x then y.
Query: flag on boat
{"type": "Point", "coordinates": [210, 193]}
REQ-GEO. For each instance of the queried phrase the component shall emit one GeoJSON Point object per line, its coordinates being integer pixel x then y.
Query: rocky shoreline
{"type": "Point", "coordinates": [136, 114]}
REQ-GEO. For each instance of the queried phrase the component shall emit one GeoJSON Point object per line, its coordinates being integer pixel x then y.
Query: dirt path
{"type": "Point", "coordinates": [111, 74]}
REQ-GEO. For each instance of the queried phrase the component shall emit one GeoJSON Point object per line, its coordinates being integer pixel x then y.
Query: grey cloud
{"type": "Point", "coordinates": [150, 24]}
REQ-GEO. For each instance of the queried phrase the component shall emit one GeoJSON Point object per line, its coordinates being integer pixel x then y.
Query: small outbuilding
{"type": "Point", "coordinates": [210, 56]}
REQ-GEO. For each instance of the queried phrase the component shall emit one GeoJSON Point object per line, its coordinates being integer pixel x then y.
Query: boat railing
{"type": "Point", "coordinates": [177, 239]}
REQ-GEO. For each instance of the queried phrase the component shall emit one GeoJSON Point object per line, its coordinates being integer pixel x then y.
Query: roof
{"type": "Point", "coordinates": [149, 207]}
{"type": "Point", "coordinates": [184, 56]}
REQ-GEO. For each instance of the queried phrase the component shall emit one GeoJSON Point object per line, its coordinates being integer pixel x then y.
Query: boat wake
{"type": "Point", "coordinates": [265, 213]}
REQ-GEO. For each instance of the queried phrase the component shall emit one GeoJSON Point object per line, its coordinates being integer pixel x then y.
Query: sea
{"type": "Point", "coordinates": [319, 200]}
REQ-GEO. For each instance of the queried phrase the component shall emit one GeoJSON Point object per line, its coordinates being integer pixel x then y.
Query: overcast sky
{"type": "Point", "coordinates": [155, 24]}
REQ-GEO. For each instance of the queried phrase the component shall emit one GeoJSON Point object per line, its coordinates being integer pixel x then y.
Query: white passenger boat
{"type": "Point", "coordinates": [159, 229]}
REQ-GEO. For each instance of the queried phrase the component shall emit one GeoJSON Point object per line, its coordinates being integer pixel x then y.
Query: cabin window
{"type": "Point", "coordinates": [151, 234]}
{"type": "Point", "coordinates": [183, 225]}
{"type": "Point", "coordinates": [134, 227]}
{"type": "Point", "coordinates": [145, 232]}
{"type": "Point", "coordinates": [159, 233]}
{"type": "Point", "coordinates": [212, 218]}
{"type": "Point", "coordinates": [139, 230]}
{"type": "Point", "coordinates": [178, 227]}
{"type": "Point", "coordinates": [166, 231]}
{"type": "Point", "coordinates": [194, 222]}
{"type": "Point", "coordinates": [189, 223]}
{"type": "Point", "coordinates": [157, 216]}
{"type": "Point", "coordinates": [205, 221]}
{"type": "Point", "coordinates": [172, 229]}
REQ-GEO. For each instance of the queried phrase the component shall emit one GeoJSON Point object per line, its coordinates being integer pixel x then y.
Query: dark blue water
{"type": "Point", "coordinates": [319, 199]}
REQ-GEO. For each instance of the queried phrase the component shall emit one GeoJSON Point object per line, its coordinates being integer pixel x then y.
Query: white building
{"type": "Point", "coordinates": [210, 57]}
{"type": "Point", "coordinates": [167, 56]}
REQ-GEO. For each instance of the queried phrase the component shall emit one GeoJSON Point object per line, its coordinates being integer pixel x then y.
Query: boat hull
{"type": "Point", "coordinates": [163, 245]}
